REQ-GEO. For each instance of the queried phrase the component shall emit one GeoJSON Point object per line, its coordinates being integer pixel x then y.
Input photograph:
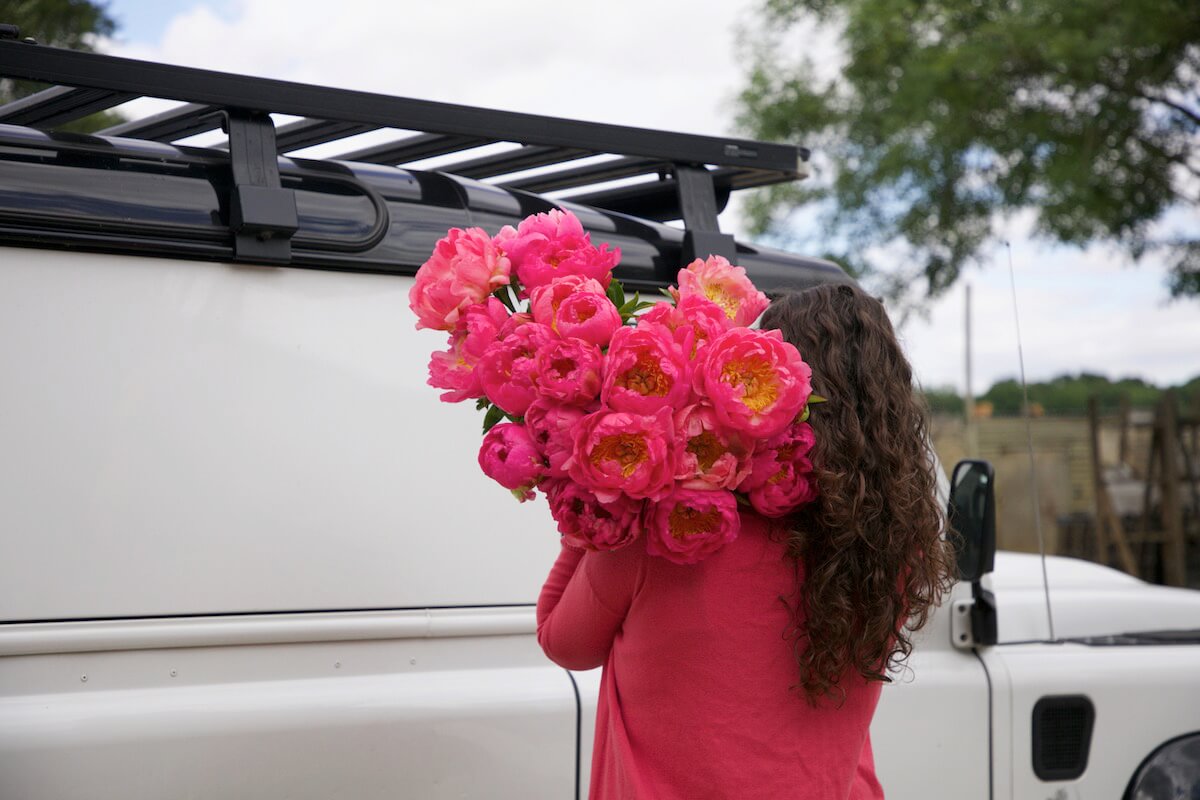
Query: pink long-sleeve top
{"type": "Point", "coordinates": [694, 699]}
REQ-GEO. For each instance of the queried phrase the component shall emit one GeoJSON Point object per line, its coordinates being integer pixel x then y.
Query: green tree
{"type": "Point", "coordinates": [73, 24]}
{"type": "Point", "coordinates": [948, 115]}
{"type": "Point", "coordinates": [944, 401]}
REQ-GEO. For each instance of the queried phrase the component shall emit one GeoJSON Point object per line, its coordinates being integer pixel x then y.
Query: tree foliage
{"type": "Point", "coordinates": [1067, 395]}
{"type": "Point", "coordinates": [949, 114]}
{"type": "Point", "coordinates": [73, 24]}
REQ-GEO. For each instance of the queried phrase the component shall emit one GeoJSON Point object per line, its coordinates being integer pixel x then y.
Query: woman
{"type": "Point", "coordinates": [756, 672]}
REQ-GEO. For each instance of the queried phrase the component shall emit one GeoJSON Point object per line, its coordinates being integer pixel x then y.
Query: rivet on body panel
{"type": "Point", "coordinates": [174, 673]}
{"type": "Point", "coordinates": [337, 665]}
{"type": "Point", "coordinates": [83, 678]}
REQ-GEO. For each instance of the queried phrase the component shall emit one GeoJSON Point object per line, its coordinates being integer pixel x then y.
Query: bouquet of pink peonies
{"type": "Point", "coordinates": [635, 419]}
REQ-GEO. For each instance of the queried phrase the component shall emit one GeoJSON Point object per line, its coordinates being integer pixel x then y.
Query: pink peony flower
{"type": "Point", "coordinates": [584, 521]}
{"type": "Point", "coordinates": [464, 269]}
{"type": "Point", "coordinates": [508, 368]}
{"type": "Point", "coordinates": [509, 457]}
{"type": "Point", "coordinates": [619, 452]}
{"type": "Point", "coordinates": [552, 427]}
{"type": "Point", "coordinates": [709, 456]}
{"type": "Point", "coordinates": [781, 479]}
{"type": "Point", "coordinates": [568, 371]}
{"type": "Point", "coordinates": [645, 370]}
{"type": "Point", "coordinates": [577, 307]}
{"type": "Point", "coordinates": [724, 284]}
{"type": "Point", "coordinates": [548, 246]}
{"type": "Point", "coordinates": [544, 300]}
{"type": "Point", "coordinates": [756, 382]}
{"type": "Point", "coordinates": [690, 525]}
{"type": "Point", "coordinates": [588, 316]}
{"type": "Point", "coordinates": [695, 321]}
{"type": "Point", "coordinates": [454, 369]}
{"type": "Point", "coordinates": [513, 322]}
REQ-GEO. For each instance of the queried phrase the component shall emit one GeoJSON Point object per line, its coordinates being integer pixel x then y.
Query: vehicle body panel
{"type": "Point", "coordinates": [382, 705]}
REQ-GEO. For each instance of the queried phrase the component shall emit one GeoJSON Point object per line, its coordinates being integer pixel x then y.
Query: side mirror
{"type": "Point", "coordinates": [972, 515]}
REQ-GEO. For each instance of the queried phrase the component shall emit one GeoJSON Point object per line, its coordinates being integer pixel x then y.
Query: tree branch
{"type": "Point", "coordinates": [1187, 112]}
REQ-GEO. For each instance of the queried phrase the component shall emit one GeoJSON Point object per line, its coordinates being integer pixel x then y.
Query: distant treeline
{"type": "Point", "coordinates": [1066, 395]}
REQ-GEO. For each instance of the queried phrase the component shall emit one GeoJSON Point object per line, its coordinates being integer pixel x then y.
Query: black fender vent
{"type": "Point", "coordinates": [1062, 736]}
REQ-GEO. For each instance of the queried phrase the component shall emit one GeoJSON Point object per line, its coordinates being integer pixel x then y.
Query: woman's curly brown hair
{"type": "Point", "coordinates": [871, 544]}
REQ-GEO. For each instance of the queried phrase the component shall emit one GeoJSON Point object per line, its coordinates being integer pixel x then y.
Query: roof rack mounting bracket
{"type": "Point", "coordinates": [262, 214]}
{"type": "Point", "coordinates": [698, 202]}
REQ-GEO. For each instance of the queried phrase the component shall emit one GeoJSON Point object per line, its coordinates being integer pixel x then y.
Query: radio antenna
{"type": "Point", "coordinates": [1033, 483]}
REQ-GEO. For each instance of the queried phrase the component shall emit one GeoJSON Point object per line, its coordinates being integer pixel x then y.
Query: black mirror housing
{"type": "Point", "coordinates": [972, 516]}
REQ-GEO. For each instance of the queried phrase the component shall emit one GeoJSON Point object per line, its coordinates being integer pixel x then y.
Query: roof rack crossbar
{"type": "Point", "coordinates": [58, 105]}
{"type": "Point", "coordinates": [527, 157]}
{"type": "Point", "coordinates": [170, 125]}
{"type": "Point", "coordinates": [53, 65]}
{"type": "Point", "coordinates": [414, 148]}
{"type": "Point", "coordinates": [612, 170]}
{"type": "Point", "coordinates": [308, 132]}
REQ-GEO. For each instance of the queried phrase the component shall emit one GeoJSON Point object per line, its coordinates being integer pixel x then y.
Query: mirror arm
{"type": "Point", "coordinates": [983, 615]}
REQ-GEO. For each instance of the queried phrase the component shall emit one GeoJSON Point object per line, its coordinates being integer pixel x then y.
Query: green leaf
{"type": "Point", "coordinates": [503, 296]}
{"type": "Point", "coordinates": [482, 403]}
{"type": "Point", "coordinates": [667, 294]}
{"type": "Point", "coordinates": [816, 398]}
{"type": "Point", "coordinates": [616, 293]}
{"type": "Point", "coordinates": [492, 418]}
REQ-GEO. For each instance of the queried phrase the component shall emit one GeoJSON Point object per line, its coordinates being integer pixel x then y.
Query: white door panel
{"type": "Point", "coordinates": [447, 717]}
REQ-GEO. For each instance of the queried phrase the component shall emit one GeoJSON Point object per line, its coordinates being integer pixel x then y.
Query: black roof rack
{"type": "Point", "coordinates": [697, 170]}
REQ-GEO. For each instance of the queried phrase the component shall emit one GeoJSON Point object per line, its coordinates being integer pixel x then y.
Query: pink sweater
{"type": "Point", "coordinates": [694, 700]}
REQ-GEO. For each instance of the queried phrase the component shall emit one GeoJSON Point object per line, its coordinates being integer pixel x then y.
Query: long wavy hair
{"type": "Point", "coordinates": [871, 545]}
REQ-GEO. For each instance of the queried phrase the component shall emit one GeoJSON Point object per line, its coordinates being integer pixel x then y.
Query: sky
{"type": "Point", "coordinates": [673, 64]}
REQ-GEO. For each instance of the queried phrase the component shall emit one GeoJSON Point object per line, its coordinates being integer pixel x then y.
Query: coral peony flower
{"type": "Point", "coordinates": [552, 427]}
{"type": "Point", "coordinates": [590, 317]}
{"type": "Point", "coordinates": [695, 321]}
{"type": "Point", "coordinates": [709, 456]}
{"type": "Point", "coordinates": [454, 368]}
{"type": "Point", "coordinates": [584, 521]}
{"type": "Point", "coordinates": [690, 525]}
{"type": "Point", "coordinates": [508, 368]}
{"type": "Point", "coordinates": [464, 269]}
{"type": "Point", "coordinates": [548, 246]}
{"type": "Point", "coordinates": [645, 370]}
{"type": "Point", "coordinates": [724, 284]}
{"type": "Point", "coordinates": [544, 300]}
{"type": "Point", "coordinates": [509, 457]}
{"type": "Point", "coordinates": [781, 479]}
{"type": "Point", "coordinates": [756, 382]}
{"type": "Point", "coordinates": [568, 371]}
{"type": "Point", "coordinates": [619, 452]}
{"type": "Point", "coordinates": [577, 307]}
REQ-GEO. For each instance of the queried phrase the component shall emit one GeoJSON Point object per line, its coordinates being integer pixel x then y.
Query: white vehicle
{"type": "Point", "coordinates": [245, 552]}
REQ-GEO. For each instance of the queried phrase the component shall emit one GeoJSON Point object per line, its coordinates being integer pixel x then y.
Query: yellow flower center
{"type": "Point", "coordinates": [757, 380]}
{"type": "Point", "coordinates": [706, 448]}
{"type": "Point", "coordinates": [717, 294]}
{"type": "Point", "coordinates": [686, 521]}
{"type": "Point", "coordinates": [626, 449]}
{"type": "Point", "coordinates": [645, 378]}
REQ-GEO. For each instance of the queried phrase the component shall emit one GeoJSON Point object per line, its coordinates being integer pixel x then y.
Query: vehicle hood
{"type": "Point", "coordinates": [1087, 601]}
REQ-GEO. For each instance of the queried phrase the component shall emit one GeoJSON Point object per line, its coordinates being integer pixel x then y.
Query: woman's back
{"type": "Point", "coordinates": [696, 699]}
